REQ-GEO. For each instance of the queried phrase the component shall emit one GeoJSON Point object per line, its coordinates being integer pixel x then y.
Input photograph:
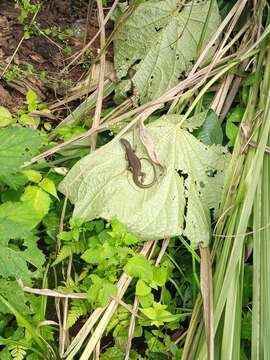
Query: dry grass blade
{"type": "Point", "coordinates": [206, 282]}
{"type": "Point", "coordinates": [81, 52]}
{"type": "Point", "coordinates": [96, 118]}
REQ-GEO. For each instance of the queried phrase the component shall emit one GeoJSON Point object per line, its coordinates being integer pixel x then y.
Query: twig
{"type": "Point", "coordinates": [79, 54]}
{"type": "Point", "coordinates": [96, 118]}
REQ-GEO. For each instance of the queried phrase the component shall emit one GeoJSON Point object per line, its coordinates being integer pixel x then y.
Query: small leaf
{"type": "Point", "coordinates": [33, 175]}
{"type": "Point", "coordinates": [101, 291]}
{"type": "Point", "coordinates": [142, 289]}
{"type": "Point", "coordinates": [139, 267]}
{"type": "Point", "coordinates": [211, 132]}
{"type": "Point", "coordinates": [38, 199]}
{"type": "Point", "coordinates": [160, 275]}
{"type": "Point", "coordinates": [5, 117]}
{"type": "Point", "coordinates": [147, 300]}
{"type": "Point", "coordinates": [49, 186]}
{"type": "Point", "coordinates": [231, 132]}
{"type": "Point", "coordinates": [29, 121]}
{"type": "Point", "coordinates": [31, 100]}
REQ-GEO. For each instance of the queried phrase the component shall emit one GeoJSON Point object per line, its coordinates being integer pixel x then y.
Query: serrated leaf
{"type": "Point", "coordinates": [17, 145]}
{"type": "Point", "coordinates": [98, 183]}
{"type": "Point", "coordinates": [38, 199]}
{"type": "Point", "coordinates": [49, 186]}
{"type": "Point", "coordinates": [139, 267]}
{"type": "Point", "coordinates": [5, 117]}
{"type": "Point", "coordinates": [101, 291]}
{"type": "Point", "coordinates": [14, 262]}
{"type": "Point", "coordinates": [15, 296]}
{"type": "Point", "coordinates": [163, 36]}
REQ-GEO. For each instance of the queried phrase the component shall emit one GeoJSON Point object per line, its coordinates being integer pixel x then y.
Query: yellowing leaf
{"type": "Point", "coordinates": [100, 186]}
{"type": "Point", "coordinates": [5, 117]}
{"type": "Point", "coordinates": [48, 185]}
{"type": "Point", "coordinates": [33, 175]}
{"type": "Point", "coordinates": [38, 199]}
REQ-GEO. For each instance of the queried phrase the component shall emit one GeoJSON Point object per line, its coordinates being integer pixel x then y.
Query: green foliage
{"type": "Point", "coordinates": [5, 117]}
{"type": "Point", "coordinates": [26, 8]}
{"type": "Point", "coordinates": [234, 118]}
{"type": "Point", "coordinates": [17, 145]}
{"type": "Point", "coordinates": [101, 291]}
{"type": "Point", "coordinates": [210, 132]}
{"type": "Point", "coordinates": [14, 262]}
{"type": "Point", "coordinates": [77, 309]}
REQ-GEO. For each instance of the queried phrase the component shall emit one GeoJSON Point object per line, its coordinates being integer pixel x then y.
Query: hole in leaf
{"type": "Point", "coordinates": [211, 172]}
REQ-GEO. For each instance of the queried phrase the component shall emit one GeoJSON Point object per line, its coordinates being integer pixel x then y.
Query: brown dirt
{"type": "Point", "coordinates": [45, 53]}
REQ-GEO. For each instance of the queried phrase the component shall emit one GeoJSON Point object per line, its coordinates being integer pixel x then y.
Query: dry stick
{"type": "Point", "coordinates": [221, 95]}
{"type": "Point", "coordinates": [206, 281]}
{"type": "Point", "coordinates": [63, 332]}
{"type": "Point", "coordinates": [81, 52]}
{"type": "Point", "coordinates": [122, 286]}
{"type": "Point", "coordinates": [96, 118]}
{"type": "Point", "coordinates": [131, 329]}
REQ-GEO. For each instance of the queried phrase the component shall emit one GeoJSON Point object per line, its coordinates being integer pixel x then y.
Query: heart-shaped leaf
{"type": "Point", "coordinates": [100, 185]}
{"type": "Point", "coordinates": [160, 40]}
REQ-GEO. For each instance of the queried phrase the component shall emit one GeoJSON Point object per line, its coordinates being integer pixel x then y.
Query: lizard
{"type": "Point", "coordinates": [135, 166]}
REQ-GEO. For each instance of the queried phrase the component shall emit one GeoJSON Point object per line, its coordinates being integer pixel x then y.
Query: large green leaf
{"type": "Point", "coordinates": [13, 260]}
{"type": "Point", "coordinates": [17, 145]}
{"type": "Point", "coordinates": [160, 40]}
{"type": "Point", "coordinates": [15, 296]}
{"type": "Point", "coordinates": [100, 185]}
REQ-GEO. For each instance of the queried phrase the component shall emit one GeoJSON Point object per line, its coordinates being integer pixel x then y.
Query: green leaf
{"type": "Point", "coordinates": [14, 181]}
{"type": "Point", "coordinates": [99, 182]}
{"type": "Point", "coordinates": [14, 261]}
{"type": "Point", "coordinates": [101, 291]}
{"type": "Point", "coordinates": [163, 37]}
{"type": "Point", "coordinates": [113, 353]}
{"type": "Point", "coordinates": [231, 132]}
{"type": "Point", "coordinates": [142, 289]}
{"type": "Point", "coordinates": [17, 145]}
{"type": "Point", "coordinates": [211, 132]}
{"type": "Point", "coordinates": [5, 117]}
{"type": "Point", "coordinates": [147, 300]}
{"type": "Point", "coordinates": [31, 100]}
{"type": "Point", "coordinates": [33, 175]}
{"type": "Point", "coordinates": [15, 296]}
{"type": "Point", "coordinates": [38, 199]}
{"type": "Point", "coordinates": [21, 213]}
{"type": "Point", "coordinates": [29, 121]}
{"type": "Point", "coordinates": [139, 267]}
{"type": "Point", "coordinates": [49, 186]}
{"type": "Point", "coordinates": [159, 315]}
{"type": "Point", "coordinates": [160, 275]}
